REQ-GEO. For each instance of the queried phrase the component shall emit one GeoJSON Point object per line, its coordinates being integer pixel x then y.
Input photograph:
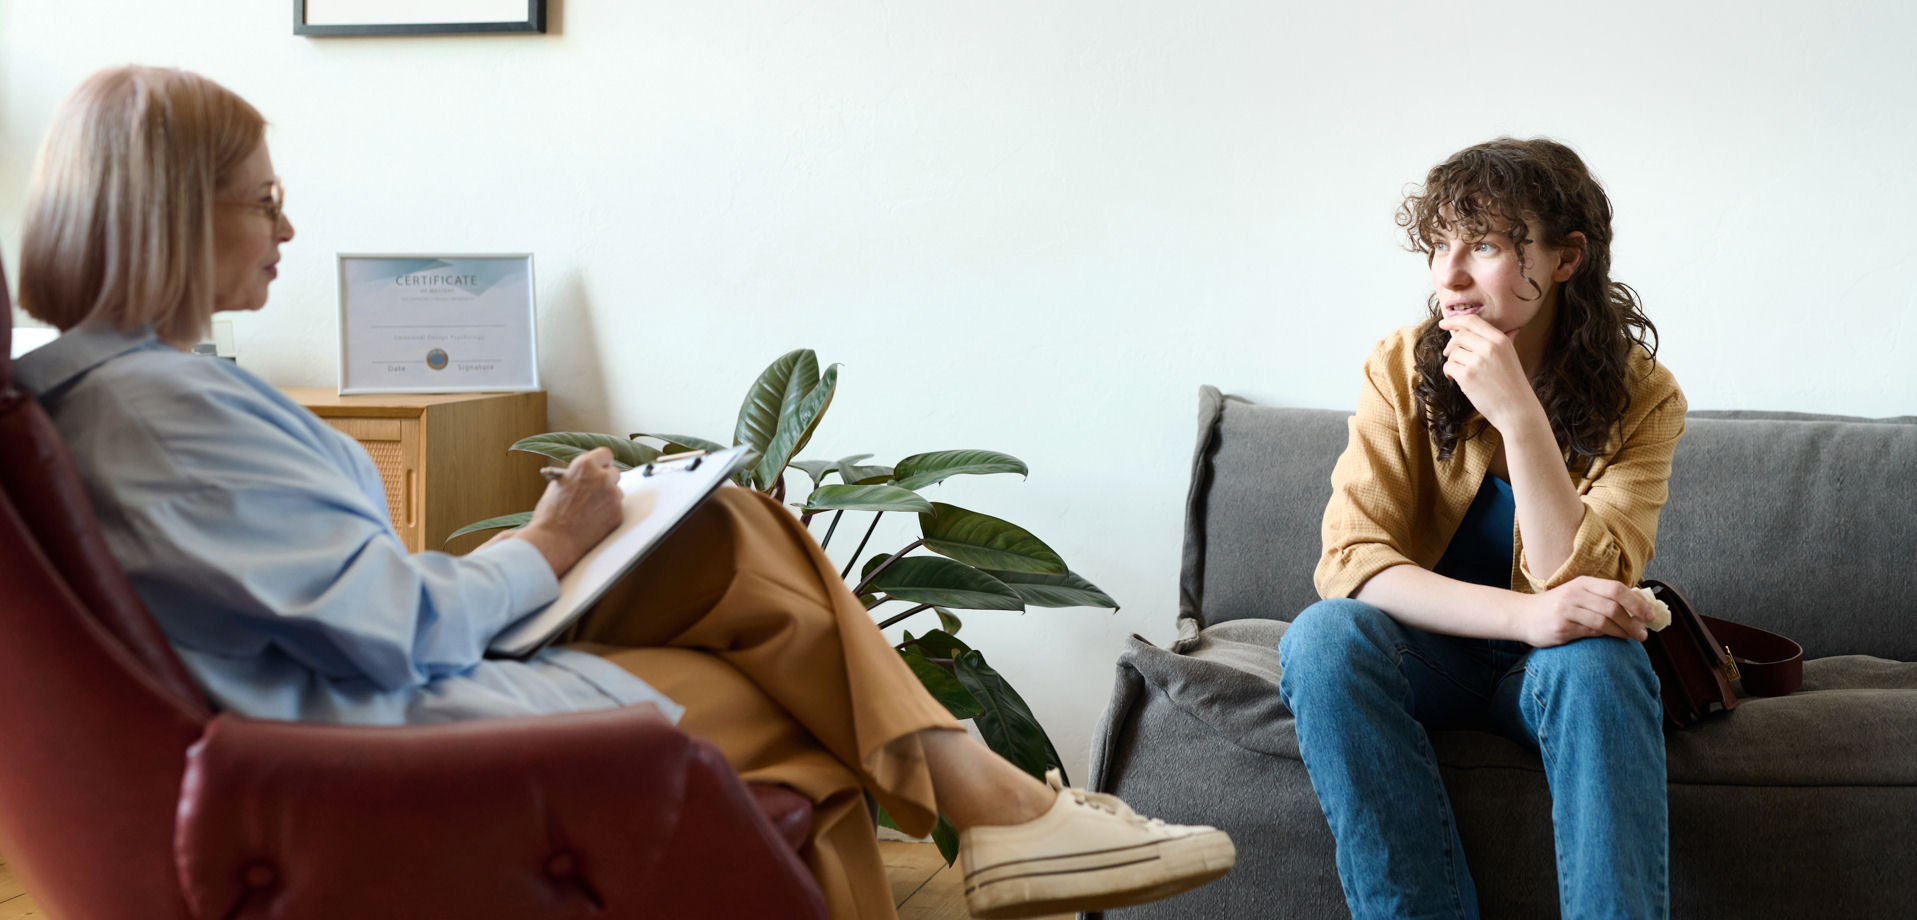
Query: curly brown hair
{"type": "Point", "coordinates": [1506, 186]}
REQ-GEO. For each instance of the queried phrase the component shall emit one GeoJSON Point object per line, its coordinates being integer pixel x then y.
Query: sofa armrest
{"type": "Point", "coordinates": [614, 813]}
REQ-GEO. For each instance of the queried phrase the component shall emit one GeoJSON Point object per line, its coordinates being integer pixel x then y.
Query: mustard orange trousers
{"type": "Point", "coordinates": [740, 617]}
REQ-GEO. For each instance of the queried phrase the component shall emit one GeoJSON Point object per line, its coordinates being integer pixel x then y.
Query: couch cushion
{"type": "Point", "coordinates": [1800, 524]}
{"type": "Point", "coordinates": [1260, 479]}
{"type": "Point", "coordinates": [1853, 724]}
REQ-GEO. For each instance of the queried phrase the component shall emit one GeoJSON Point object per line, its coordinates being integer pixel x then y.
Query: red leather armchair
{"type": "Point", "coordinates": [122, 795]}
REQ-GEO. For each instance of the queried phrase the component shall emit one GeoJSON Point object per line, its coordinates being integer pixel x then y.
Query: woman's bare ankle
{"type": "Point", "coordinates": [1035, 799]}
{"type": "Point", "coordinates": [977, 788]}
{"type": "Point", "coordinates": [1012, 799]}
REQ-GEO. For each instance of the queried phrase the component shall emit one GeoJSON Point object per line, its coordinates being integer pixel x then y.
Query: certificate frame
{"type": "Point", "coordinates": [322, 18]}
{"type": "Point", "coordinates": [406, 318]}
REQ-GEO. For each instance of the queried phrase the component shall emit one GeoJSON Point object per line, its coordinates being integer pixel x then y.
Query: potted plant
{"type": "Point", "coordinates": [961, 560]}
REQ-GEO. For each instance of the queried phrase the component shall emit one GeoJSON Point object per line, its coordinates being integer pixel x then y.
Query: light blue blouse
{"type": "Point", "coordinates": [258, 538]}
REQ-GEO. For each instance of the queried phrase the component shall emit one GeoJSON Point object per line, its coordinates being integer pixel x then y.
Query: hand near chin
{"type": "Point", "coordinates": [1484, 362]}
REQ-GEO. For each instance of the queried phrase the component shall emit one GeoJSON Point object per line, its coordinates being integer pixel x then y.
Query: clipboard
{"type": "Point", "coordinates": [659, 496]}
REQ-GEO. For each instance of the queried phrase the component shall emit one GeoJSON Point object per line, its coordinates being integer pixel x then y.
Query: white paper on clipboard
{"type": "Point", "coordinates": [658, 497]}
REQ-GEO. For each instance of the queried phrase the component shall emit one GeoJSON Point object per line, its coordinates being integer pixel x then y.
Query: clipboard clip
{"type": "Point", "coordinates": [696, 456]}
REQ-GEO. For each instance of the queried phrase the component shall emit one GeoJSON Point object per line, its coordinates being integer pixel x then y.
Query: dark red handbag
{"type": "Point", "coordinates": [1697, 658]}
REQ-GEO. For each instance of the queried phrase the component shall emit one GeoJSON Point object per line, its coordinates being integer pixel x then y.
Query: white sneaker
{"type": "Point", "coordinates": [1089, 852]}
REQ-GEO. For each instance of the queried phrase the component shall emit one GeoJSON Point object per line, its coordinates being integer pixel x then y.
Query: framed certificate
{"type": "Point", "coordinates": [416, 17]}
{"type": "Point", "coordinates": [436, 323]}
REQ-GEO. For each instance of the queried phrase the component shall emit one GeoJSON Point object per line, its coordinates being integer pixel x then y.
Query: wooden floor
{"type": "Point", "coordinates": [15, 903]}
{"type": "Point", "coordinates": [923, 886]}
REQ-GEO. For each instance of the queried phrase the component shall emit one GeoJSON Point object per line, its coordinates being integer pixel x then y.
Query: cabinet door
{"type": "Point", "coordinates": [395, 448]}
{"type": "Point", "coordinates": [469, 471]}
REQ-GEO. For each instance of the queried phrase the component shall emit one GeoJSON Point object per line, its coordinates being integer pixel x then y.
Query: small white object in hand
{"type": "Point", "coordinates": [1663, 617]}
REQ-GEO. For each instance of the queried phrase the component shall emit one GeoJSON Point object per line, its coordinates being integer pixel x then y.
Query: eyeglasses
{"type": "Point", "coordinates": [273, 207]}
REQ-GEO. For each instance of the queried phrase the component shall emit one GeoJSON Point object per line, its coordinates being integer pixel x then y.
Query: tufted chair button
{"type": "Point", "coordinates": [562, 865]}
{"type": "Point", "coordinates": [260, 874]}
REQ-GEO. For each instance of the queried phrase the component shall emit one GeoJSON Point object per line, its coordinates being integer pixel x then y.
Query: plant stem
{"type": "Point", "coordinates": [849, 563]}
{"type": "Point", "coordinates": [902, 616]}
{"type": "Point", "coordinates": [915, 544]}
{"type": "Point", "coordinates": [831, 527]}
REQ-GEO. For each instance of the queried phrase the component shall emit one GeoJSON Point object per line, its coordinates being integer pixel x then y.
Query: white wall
{"type": "Point", "coordinates": [1038, 227]}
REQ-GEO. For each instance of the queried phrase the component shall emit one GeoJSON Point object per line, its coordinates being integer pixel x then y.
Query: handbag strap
{"type": "Point", "coordinates": [1770, 664]}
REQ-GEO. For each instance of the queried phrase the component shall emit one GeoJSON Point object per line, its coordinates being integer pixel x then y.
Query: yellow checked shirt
{"type": "Point", "coordinates": [1394, 502]}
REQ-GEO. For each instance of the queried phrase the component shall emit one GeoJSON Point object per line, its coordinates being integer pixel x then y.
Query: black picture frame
{"type": "Point", "coordinates": [535, 21]}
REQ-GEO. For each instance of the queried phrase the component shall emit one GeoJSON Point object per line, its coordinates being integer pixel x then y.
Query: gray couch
{"type": "Point", "coordinates": [1801, 807]}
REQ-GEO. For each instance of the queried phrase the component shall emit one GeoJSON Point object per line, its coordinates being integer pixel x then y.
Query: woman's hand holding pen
{"type": "Point", "coordinates": [581, 506]}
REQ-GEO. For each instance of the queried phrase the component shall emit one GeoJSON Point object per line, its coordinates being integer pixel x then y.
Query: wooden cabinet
{"type": "Point", "coordinates": [442, 456]}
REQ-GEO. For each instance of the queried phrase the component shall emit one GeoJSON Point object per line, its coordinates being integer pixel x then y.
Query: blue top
{"type": "Point", "coordinates": [1480, 551]}
{"type": "Point", "coordinates": [258, 537]}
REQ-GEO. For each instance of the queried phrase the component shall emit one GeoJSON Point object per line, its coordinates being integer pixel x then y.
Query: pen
{"type": "Point", "coordinates": [552, 473]}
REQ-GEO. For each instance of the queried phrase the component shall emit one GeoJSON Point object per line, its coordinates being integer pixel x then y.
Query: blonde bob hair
{"type": "Point", "coordinates": [119, 219]}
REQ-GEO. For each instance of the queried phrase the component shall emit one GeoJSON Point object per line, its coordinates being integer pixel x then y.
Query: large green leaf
{"type": "Point", "coordinates": [986, 542]}
{"type": "Point", "coordinates": [796, 426]}
{"type": "Point", "coordinates": [921, 470]}
{"type": "Point", "coordinates": [937, 644]}
{"type": "Point", "coordinates": [868, 597]}
{"type": "Point", "coordinates": [947, 838]}
{"type": "Point", "coordinates": [816, 469]}
{"type": "Point", "coordinates": [1007, 724]}
{"type": "Point", "coordinates": [949, 621]}
{"type": "Point", "coordinates": [942, 685]}
{"type": "Point", "coordinates": [779, 390]}
{"type": "Point", "coordinates": [1067, 590]}
{"type": "Point", "coordinates": [865, 498]}
{"type": "Point", "coordinates": [853, 474]}
{"type": "Point", "coordinates": [926, 580]}
{"type": "Point", "coordinates": [515, 519]}
{"type": "Point", "coordinates": [563, 446]}
{"type": "Point", "coordinates": [683, 443]}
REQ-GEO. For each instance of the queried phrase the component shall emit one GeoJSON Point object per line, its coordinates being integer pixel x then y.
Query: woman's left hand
{"type": "Point", "coordinates": [1485, 364]}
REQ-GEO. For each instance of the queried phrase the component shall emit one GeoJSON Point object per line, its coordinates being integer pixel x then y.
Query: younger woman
{"type": "Point", "coordinates": [1497, 499]}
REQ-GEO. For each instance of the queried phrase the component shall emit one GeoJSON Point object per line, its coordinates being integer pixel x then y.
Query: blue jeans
{"type": "Point", "coordinates": [1364, 688]}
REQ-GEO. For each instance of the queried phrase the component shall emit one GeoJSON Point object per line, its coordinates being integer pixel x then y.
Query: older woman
{"type": "Point", "coordinates": [258, 538]}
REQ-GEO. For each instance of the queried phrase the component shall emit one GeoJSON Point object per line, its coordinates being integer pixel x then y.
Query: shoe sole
{"type": "Point", "coordinates": [1099, 881]}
